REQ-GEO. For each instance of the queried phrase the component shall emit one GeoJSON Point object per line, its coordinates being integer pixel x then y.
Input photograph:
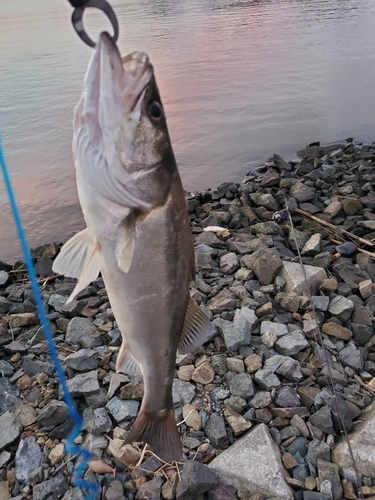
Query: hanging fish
{"type": "Point", "coordinates": [138, 233]}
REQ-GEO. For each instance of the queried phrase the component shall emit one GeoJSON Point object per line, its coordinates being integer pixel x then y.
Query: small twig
{"type": "Point", "coordinates": [363, 384]}
{"type": "Point", "coordinates": [64, 463]}
{"type": "Point", "coordinates": [187, 416]}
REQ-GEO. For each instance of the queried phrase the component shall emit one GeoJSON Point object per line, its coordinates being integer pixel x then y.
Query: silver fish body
{"type": "Point", "coordinates": [138, 233]}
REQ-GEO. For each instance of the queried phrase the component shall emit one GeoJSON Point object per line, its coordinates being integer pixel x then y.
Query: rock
{"type": "Point", "coordinates": [83, 360]}
{"type": "Point", "coordinates": [4, 490]}
{"type": "Point", "coordinates": [192, 417]}
{"type": "Point", "coordinates": [150, 490]}
{"type": "Point", "coordinates": [320, 302]}
{"type": "Point", "coordinates": [301, 192]}
{"type": "Point", "coordinates": [115, 491]}
{"type": "Point", "coordinates": [322, 420]}
{"type": "Point", "coordinates": [78, 329]}
{"type": "Point", "coordinates": [121, 409]}
{"type": "Point", "coordinates": [96, 421]}
{"type": "Point", "coordinates": [22, 319]}
{"type": "Point", "coordinates": [223, 301]}
{"type": "Point", "coordinates": [6, 369]}
{"type": "Point", "coordinates": [229, 263]}
{"type": "Point", "coordinates": [338, 331]}
{"type": "Point", "coordinates": [28, 458]}
{"type": "Point", "coordinates": [362, 333]}
{"type": "Point", "coordinates": [352, 357]}
{"type": "Point", "coordinates": [54, 413]}
{"type": "Point", "coordinates": [313, 245]}
{"type": "Point", "coordinates": [265, 264]}
{"type": "Point", "coordinates": [295, 280]}
{"type": "Point", "coordinates": [253, 363]}
{"type": "Point", "coordinates": [117, 380]}
{"type": "Point", "coordinates": [333, 208]}
{"type": "Point", "coordinates": [56, 454]}
{"type": "Point", "coordinates": [219, 363]}
{"type": "Point", "coordinates": [10, 430]}
{"type": "Point", "coordinates": [238, 333]}
{"type": "Point", "coordinates": [215, 431]}
{"type": "Point", "coordinates": [341, 308]}
{"type": "Point", "coordinates": [204, 373]}
{"type": "Point", "coordinates": [183, 392]}
{"type": "Point", "coordinates": [277, 328]}
{"type": "Point", "coordinates": [83, 384]}
{"type": "Point", "coordinates": [366, 288]}
{"type": "Point", "coordinates": [169, 487]}
{"type": "Point", "coordinates": [297, 238]}
{"type": "Point", "coordinates": [317, 449]}
{"type": "Point", "coordinates": [242, 385]}
{"type": "Point", "coordinates": [269, 339]}
{"type": "Point", "coordinates": [287, 397]}
{"type": "Point", "coordinates": [52, 489]}
{"type": "Point", "coordinates": [236, 422]}
{"type": "Point", "coordinates": [289, 301]}
{"type": "Point", "coordinates": [291, 344]}
{"type": "Point", "coordinates": [26, 414]}
{"type": "Point", "coordinates": [350, 273]}
{"type": "Point", "coordinates": [258, 465]}
{"type": "Point", "coordinates": [266, 228]}
{"type": "Point", "coordinates": [362, 442]}
{"type": "Point", "coordinates": [328, 471]}
{"type": "Point", "coordinates": [266, 379]}
{"type": "Point", "coordinates": [196, 479]}
{"type": "Point", "coordinates": [4, 305]}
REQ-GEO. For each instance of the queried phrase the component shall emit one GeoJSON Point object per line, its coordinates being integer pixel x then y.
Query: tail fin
{"type": "Point", "coordinates": [159, 430]}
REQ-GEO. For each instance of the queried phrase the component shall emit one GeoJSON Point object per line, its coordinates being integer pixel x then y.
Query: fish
{"type": "Point", "coordinates": [138, 234]}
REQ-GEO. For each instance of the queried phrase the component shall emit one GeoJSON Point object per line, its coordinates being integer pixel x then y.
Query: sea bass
{"type": "Point", "coordinates": [138, 233]}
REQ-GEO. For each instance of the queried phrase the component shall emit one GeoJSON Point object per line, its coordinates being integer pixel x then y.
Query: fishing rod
{"type": "Point", "coordinates": [280, 217]}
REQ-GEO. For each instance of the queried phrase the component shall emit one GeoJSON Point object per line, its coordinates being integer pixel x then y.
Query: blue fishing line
{"type": "Point", "coordinates": [92, 488]}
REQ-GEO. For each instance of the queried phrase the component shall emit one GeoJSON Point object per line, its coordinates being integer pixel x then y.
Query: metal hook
{"type": "Point", "coordinates": [77, 20]}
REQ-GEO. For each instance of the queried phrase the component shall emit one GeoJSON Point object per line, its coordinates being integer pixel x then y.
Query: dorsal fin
{"type": "Point", "coordinates": [196, 329]}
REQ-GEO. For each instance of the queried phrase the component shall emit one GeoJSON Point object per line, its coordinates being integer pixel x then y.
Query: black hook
{"type": "Point", "coordinates": [77, 18]}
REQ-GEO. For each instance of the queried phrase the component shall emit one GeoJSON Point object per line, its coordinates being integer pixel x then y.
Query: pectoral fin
{"type": "Point", "coordinates": [126, 242]}
{"type": "Point", "coordinates": [196, 329]}
{"type": "Point", "coordinates": [126, 362]}
{"type": "Point", "coordinates": [80, 258]}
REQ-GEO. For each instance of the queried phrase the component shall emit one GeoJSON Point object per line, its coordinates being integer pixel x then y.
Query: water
{"type": "Point", "coordinates": [240, 80]}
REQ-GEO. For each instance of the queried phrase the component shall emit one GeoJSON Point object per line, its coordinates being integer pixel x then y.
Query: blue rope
{"type": "Point", "coordinates": [92, 488]}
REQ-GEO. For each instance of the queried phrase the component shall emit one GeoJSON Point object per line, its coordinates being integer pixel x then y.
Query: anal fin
{"type": "Point", "coordinates": [80, 258]}
{"type": "Point", "coordinates": [126, 362]}
{"type": "Point", "coordinates": [196, 329]}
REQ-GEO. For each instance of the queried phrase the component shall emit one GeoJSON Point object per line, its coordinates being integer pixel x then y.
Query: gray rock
{"type": "Point", "coordinates": [288, 300]}
{"type": "Point", "coordinates": [242, 385]}
{"type": "Point", "coordinates": [236, 403]}
{"type": "Point", "coordinates": [237, 334]}
{"type": "Point", "coordinates": [4, 278]}
{"type": "Point", "coordinates": [322, 419]}
{"type": "Point", "coordinates": [150, 490]}
{"type": "Point", "coordinates": [183, 392]}
{"type": "Point", "coordinates": [312, 246]}
{"type": "Point", "coordinates": [196, 479]}
{"type": "Point", "coordinates": [320, 302]}
{"type": "Point", "coordinates": [4, 305]}
{"type": "Point", "coordinates": [219, 364]}
{"type": "Point", "coordinates": [350, 273]}
{"type": "Point", "coordinates": [10, 430]}
{"type": "Point", "coordinates": [32, 366]}
{"type": "Point", "coordinates": [57, 301]}
{"type": "Point", "coordinates": [74, 494]}
{"type": "Point", "coordinates": [115, 491]}
{"type": "Point", "coordinates": [82, 360]}
{"type": "Point", "coordinates": [223, 301]}
{"type": "Point", "coordinates": [287, 397]}
{"type": "Point", "coordinates": [291, 370]}
{"type": "Point", "coordinates": [258, 466]}
{"type": "Point", "coordinates": [316, 495]}
{"type": "Point", "coordinates": [122, 409]}
{"type": "Point", "coordinates": [330, 472]}
{"type": "Point", "coordinates": [299, 445]}
{"type": "Point", "coordinates": [352, 357]}
{"type": "Point", "coordinates": [266, 379]}
{"type": "Point", "coordinates": [29, 457]}
{"type": "Point", "coordinates": [297, 238]}
{"type": "Point", "coordinates": [265, 263]}
{"type": "Point", "coordinates": [261, 399]}
{"type": "Point", "coordinates": [277, 328]}
{"type": "Point", "coordinates": [291, 344]}
{"type": "Point", "coordinates": [362, 333]}
{"type": "Point", "coordinates": [53, 489]}
{"type": "Point", "coordinates": [229, 263]}
{"type": "Point", "coordinates": [6, 369]}
{"type": "Point", "coordinates": [96, 421]}
{"type": "Point", "coordinates": [83, 384]}
{"type": "Point", "coordinates": [301, 192]}
{"type": "Point", "coordinates": [54, 413]}
{"type": "Point", "coordinates": [78, 329]}
{"type": "Point", "coordinates": [295, 279]}
{"type": "Point", "coordinates": [215, 431]}
{"type": "Point", "coordinates": [317, 449]}
{"type": "Point", "coordinates": [341, 308]}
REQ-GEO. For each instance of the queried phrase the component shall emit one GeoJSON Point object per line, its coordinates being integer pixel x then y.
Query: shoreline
{"type": "Point", "coordinates": [255, 398]}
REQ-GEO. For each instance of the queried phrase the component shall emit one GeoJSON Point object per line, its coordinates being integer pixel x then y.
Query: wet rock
{"type": "Point", "coordinates": [258, 464]}
{"type": "Point", "coordinates": [295, 280]}
{"type": "Point", "coordinates": [362, 441]}
{"type": "Point", "coordinates": [10, 430]}
{"type": "Point", "coordinates": [28, 458]}
{"type": "Point", "coordinates": [121, 409]}
{"type": "Point", "coordinates": [291, 344]}
{"type": "Point", "coordinates": [215, 431]}
{"type": "Point", "coordinates": [83, 360]}
{"type": "Point", "coordinates": [83, 384]}
{"type": "Point", "coordinates": [196, 479]}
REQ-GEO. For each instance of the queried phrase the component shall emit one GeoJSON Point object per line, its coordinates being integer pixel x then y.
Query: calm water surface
{"type": "Point", "coordinates": [240, 80]}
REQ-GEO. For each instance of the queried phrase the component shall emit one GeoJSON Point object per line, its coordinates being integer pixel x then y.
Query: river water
{"type": "Point", "coordinates": [240, 80]}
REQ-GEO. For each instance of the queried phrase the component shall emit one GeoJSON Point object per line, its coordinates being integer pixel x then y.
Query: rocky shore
{"type": "Point", "coordinates": [257, 414]}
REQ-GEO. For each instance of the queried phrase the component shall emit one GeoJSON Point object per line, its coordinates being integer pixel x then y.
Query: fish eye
{"type": "Point", "coordinates": [155, 111]}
